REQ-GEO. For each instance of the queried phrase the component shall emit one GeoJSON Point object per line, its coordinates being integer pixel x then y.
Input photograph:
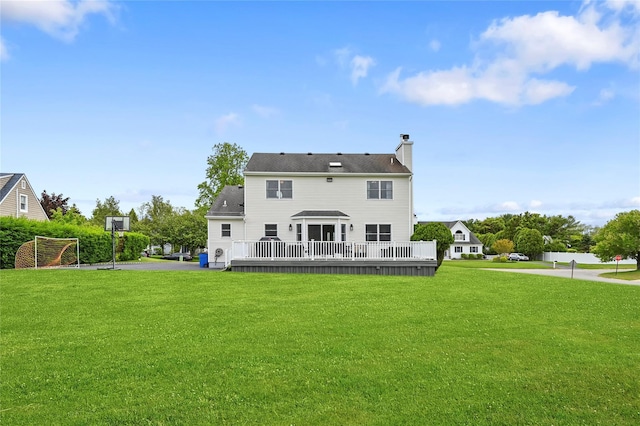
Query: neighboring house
{"type": "Point", "coordinates": [322, 199]}
{"type": "Point", "coordinates": [464, 241]}
{"type": "Point", "coordinates": [17, 198]}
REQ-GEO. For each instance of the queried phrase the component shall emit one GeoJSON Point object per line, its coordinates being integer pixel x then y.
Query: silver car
{"type": "Point", "coordinates": [518, 257]}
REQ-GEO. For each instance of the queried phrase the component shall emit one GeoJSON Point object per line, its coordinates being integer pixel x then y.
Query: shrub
{"type": "Point", "coordinates": [500, 259]}
{"type": "Point", "coordinates": [479, 256]}
{"type": "Point", "coordinates": [464, 256]}
{"type": "Point", "coordinates": [95, 243]}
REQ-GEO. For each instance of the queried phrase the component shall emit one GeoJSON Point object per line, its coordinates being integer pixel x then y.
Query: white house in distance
{"type": "Point", "coordinates": [464, 241]}
{"type": "Point", "coordinates": [320, 206]}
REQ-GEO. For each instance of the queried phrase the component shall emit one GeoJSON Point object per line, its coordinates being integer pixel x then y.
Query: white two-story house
{"type": "Point", "coordinates": [464, 241]}
{"type": "Point", "coordinates": [322, 199]}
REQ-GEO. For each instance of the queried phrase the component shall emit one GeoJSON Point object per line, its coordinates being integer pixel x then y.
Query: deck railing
{"type": "Point", "coordinates": [324, 250]}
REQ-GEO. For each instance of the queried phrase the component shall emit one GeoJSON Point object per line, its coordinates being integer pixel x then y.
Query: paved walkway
{"type": "Point", "coordinates": [580, 274]}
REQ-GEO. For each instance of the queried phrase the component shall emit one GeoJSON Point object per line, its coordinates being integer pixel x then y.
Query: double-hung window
{"type": "Point", "coordinates": [380, 190]}
{"type": "Point", "coordinates": [271, 230]}
{"type": "Point", "coordinates": [24, 206]}
{"type": "Point", "coordinates": [376, 232]}
{"type": "Point", "coordinates": [280, 189]}
{"type": "Point", "coordinates": [225, 229]}
{"type": "Point", "coordinates": [458, 249]}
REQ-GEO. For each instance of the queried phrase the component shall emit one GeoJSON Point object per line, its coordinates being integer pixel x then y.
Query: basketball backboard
{"type": "Point", "coordinates": [117, 223]}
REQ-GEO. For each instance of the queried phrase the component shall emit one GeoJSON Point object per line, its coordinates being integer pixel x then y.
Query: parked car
{"type": "Point", "coordinates": [518, 257]}
{"type": "Point", "coordinates": [176, 256]}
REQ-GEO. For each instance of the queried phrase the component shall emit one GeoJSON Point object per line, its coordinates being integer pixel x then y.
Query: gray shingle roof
{"type": "Point", "coordinates": [13, 181]}
{"type": "Point", "coordinates": [319, 163]}
{"type": "Point", "coordinates": [230, 202]}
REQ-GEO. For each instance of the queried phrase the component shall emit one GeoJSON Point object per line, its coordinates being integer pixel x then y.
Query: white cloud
{"type": "Point", "coordinates": [604, 96]}
{"type": "Point", "coordinates": [510, 206]}
{"type": "Point", "coordinates": [521, 50]}
{"type": "Point", "coordinates": [357, 64]}
{"type": "Point", "coordinates": [534, 204]}
{"type": "Point", "coordinates": [225, 121]}
{"type": "Point", "coordinates": [59, 18]}
{"type": "Point", "coordinates": [434, 45]}
{"type": "Point", "coordinates": [342, 56]}
{"type": "Point", "coordinates": [4, 54]}
{"type": "Point", "coordinates": [264, 111]}
{"type": "Point", "coordinates": [360, 67]}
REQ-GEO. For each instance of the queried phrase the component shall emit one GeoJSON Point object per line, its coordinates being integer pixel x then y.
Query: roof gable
{"type": "Point", "coordinates": [230, 202]}
{"type": "Point", "coordinates": [10, 181]}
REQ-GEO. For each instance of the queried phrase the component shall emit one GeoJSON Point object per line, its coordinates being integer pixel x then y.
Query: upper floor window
{"type": "Point", "coordinates": [279, 189]}
{"type": "Point", "coordinates": [23, 203]}
{"type": "Point", "coordinates": [377, 232]}
{"type": "Point", "coordinates": [24, 184]}
{"type": "Point", "coordinates": [225, 229]}
{"type": "Point", "coordinates": [379, 189]}
{"type": "Point", "coordinates": [459, 236]}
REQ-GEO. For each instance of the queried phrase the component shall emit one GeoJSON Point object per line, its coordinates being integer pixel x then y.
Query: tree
{"type": "Point", "coordinates": [487, 240]}
{"type": "Point", "coordinates": [71, 217]}
{"type": "Point", "coordinates": [503, 246]}
{"type": "Point", "coordinates": [110, 207]}
{"type": "Point", "coordinates": [434, 231]}
{"type": "Point", "coordinates": [530, 242]}
{"type": "Point", "coordinates": [620, 236]}
{"type": "Point", "coordinates": [51, 203]}
{"type": "Point", "coordinates": [188, 229]}
{"type": "Point", "coordinates": [225, 167]}
{"type": "Point", "coordinates": [155, 220]}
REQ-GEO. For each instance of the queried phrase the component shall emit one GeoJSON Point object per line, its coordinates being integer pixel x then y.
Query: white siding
{"type": "Point", "coordinates": [347, 194]}
{"type": "Point", "coordinates": [215, 239]}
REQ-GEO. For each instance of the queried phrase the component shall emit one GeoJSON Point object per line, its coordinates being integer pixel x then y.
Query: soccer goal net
{"type": "Point", "coordinates": [44, 252]}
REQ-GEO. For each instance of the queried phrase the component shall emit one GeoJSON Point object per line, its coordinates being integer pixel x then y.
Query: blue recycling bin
{"type": "Point", "coordinates": [204, 260]}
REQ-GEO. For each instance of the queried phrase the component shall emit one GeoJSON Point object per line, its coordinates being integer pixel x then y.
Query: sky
{"type": "Point", "coordinates": [512, 106]}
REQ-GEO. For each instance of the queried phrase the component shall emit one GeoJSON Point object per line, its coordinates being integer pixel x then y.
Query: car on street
{"type": "Point", "coordinates": [177, 256]}
{"type": "Point", "coordinates": [518, 257]}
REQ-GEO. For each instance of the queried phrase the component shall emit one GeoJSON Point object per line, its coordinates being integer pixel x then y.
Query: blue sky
{"type": "Point", "coordinates": [512, 106]}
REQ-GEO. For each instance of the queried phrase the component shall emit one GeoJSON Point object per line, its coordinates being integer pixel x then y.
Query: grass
{"type": "Point", "coordinates": [464, 347]}
{"type": "Point", "coordinates": [475, 264]}
{"type": "Point", "coordinates": [623, 275]}
{"type": "Point", "coordinates": [600, 265]}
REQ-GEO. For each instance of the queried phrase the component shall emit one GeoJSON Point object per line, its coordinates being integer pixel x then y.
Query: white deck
{"type": "Point", "coordinates": [325, 250]}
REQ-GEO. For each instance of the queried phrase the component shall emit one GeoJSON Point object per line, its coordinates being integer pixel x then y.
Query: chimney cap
{"type": "Point", "coordinates": [404, 136]}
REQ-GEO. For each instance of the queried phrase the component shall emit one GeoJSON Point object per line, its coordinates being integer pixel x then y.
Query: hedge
{"type": "Point", "coordinates": [95, 243]}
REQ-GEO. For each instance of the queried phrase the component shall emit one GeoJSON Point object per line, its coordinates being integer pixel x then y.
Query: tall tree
{"type": "Point", "coordinates": [188, 229]}
{"type": "Point", "coordinates": [224, 168]}
{"type": "Point", "coordinates": [434, 231]}
{"type": "Point", "coordinates": [110, 207]}
{"type": "Point", "coordinates": [51, 203]}
{"type": "Point", "coordinates": [620, 236]}
{"type": "Point", "coordinates": [530, 242]}
{"type": "Point", "coordinates": [155, 219]}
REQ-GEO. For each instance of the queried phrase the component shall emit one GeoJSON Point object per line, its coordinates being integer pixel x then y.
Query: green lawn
{"type": "Point", "coordinates": [623, 275]}
{"type": "Point", "coordinates": [475, 264]}
{"type": "Point", "coordinates": [464, 347]}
